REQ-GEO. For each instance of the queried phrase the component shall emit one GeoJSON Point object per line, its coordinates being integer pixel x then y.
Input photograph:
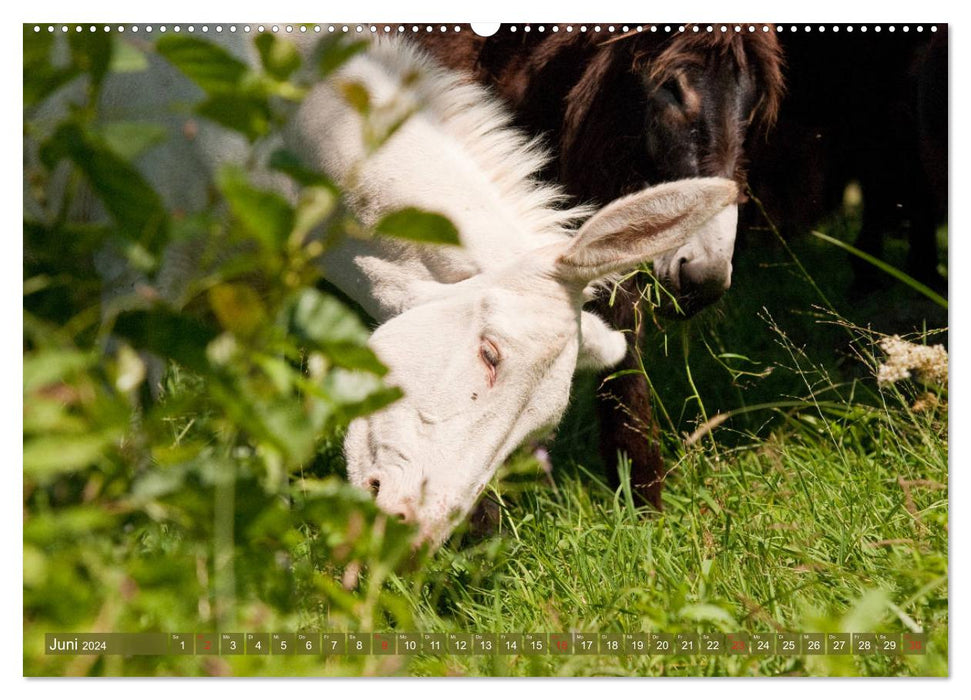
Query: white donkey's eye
{"type": "Point", "coordinates": [491, 357]}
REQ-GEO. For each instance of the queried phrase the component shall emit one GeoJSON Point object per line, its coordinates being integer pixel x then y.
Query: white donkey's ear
{"type": "Point", "coordinates": [600, 345]}
{"type": "Point", "coordinates": [641, 226]}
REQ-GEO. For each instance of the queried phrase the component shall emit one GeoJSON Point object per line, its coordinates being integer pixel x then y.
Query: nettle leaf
{"type": "Point", "coordinates": [279, 57]}
{"type": "Point", "coordinates": [168, 334]}
{"type": "Point", "coordinates": [267, 216]}
{"type": "Point", "coordinates": [331, 327]}
{"type": "Point", "coordinates": [418, 225]}
{"type": "Point", "coordinates": [250, 115]}
{"type": "Point", "coordinates": [210, 66]}
{"type": "Point", "coordinates": [130, 200]}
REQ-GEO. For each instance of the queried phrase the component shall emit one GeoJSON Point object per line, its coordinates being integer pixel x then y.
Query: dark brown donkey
{"type": "Point", "coordinates": [623, 111]}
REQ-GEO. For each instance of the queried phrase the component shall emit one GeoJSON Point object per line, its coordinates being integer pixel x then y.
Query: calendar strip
{"type": "Point", "coordinates": [487, 644]}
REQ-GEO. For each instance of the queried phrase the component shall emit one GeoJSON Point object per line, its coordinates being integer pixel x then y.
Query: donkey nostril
{"type": "Point", "coordinates": [374, 485]}
{"type": "Point", "coordinates": [404, 513]}
{"type": "Point", "coordinates": [682, 274]}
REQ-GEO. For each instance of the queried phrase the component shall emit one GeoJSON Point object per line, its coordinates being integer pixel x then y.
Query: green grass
{"type": "Point", "coordinates": [819, 506]}
{"type": "Point", "coordinates": [796, 534]}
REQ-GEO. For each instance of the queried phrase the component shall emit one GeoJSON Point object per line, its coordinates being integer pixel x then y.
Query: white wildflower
{"type": "Point", "coordinates": [926, 363]}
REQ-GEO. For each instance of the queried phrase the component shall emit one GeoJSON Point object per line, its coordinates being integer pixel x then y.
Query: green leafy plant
{"type": "Point", "coordinates": [174, 432]}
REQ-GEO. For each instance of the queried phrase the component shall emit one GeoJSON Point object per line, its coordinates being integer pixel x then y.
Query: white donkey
{"type": "Point", "coordinates": [483, 339]}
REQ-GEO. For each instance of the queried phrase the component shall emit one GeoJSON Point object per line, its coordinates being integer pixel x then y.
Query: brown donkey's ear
{"type": "Point", "coordinates": [641, 226]}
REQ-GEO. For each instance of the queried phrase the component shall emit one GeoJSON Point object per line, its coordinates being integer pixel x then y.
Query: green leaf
{"type": "Point", "coordinates": [868, 612]}
{"type": "Point", "coordinates": [131, 202]}
{"type": "Point", "coordinates": [125, 58]}
{"type": "Point", "coordinates": [333, 53]}
{"type": "Point", "coordinates": [41, 78]}
{"type": "Point", "coordinates": [67, 524]}
{"type": "Point", "coordinates": [267, 216]}
{"type": "Point", "coordinates": [167, 334]}
{"type": "Point", "coordinates": [331, 327]}
{"type": "Point", "coordinates": [37, 48]}
{"type": "Point", "coordinates": [289, 163]}
{"type": "Point", "coordinates": [209, 66]}
{"type": "Point", "coordinates": [314, 206]}
{"type": "Point", "coordinates": [48, 456]}
{"type": "Point", "coordinates": [157, 483]}
{"type": "Point", "coordinates": [91, 52]}
{"type": "Point", "coordinates": [250, 115]}
{"type": "Point", "coordinates": [44, 415]}
{"type": "Point", "coordinates": [238, 308]}
{"type": "Point", "coordinates": [323, 319]}
{"type": "Point", "coordinates": [357, 393]}
{"type": "Point", "coordinates": [356, 95]}
{"type": "Point", "coordinates": [46, 367]}
{"type": "Point", "coordinates": [128, 140]}
{"type": "Point", "coordinates": [279, 56]}
{"type": "Point", "coordinates": [418, 225]}
{"type": "Point", "coordinates": [42, 83]}
{"type": "Point", "coordinates": [705, 612]}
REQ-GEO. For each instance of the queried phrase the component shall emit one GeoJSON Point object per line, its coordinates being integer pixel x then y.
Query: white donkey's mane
{"type": "Point", "coordinates": [457, 154]}
{"type": "Point", "coordinates": [476, 118]}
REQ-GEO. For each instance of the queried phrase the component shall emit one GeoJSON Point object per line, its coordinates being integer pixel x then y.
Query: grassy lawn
{"type": "Point", "coordinates": [818, 505]}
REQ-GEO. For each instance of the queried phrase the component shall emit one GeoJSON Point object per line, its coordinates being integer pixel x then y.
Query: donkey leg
{"type": "Point", "coordinates": [627, 425]}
